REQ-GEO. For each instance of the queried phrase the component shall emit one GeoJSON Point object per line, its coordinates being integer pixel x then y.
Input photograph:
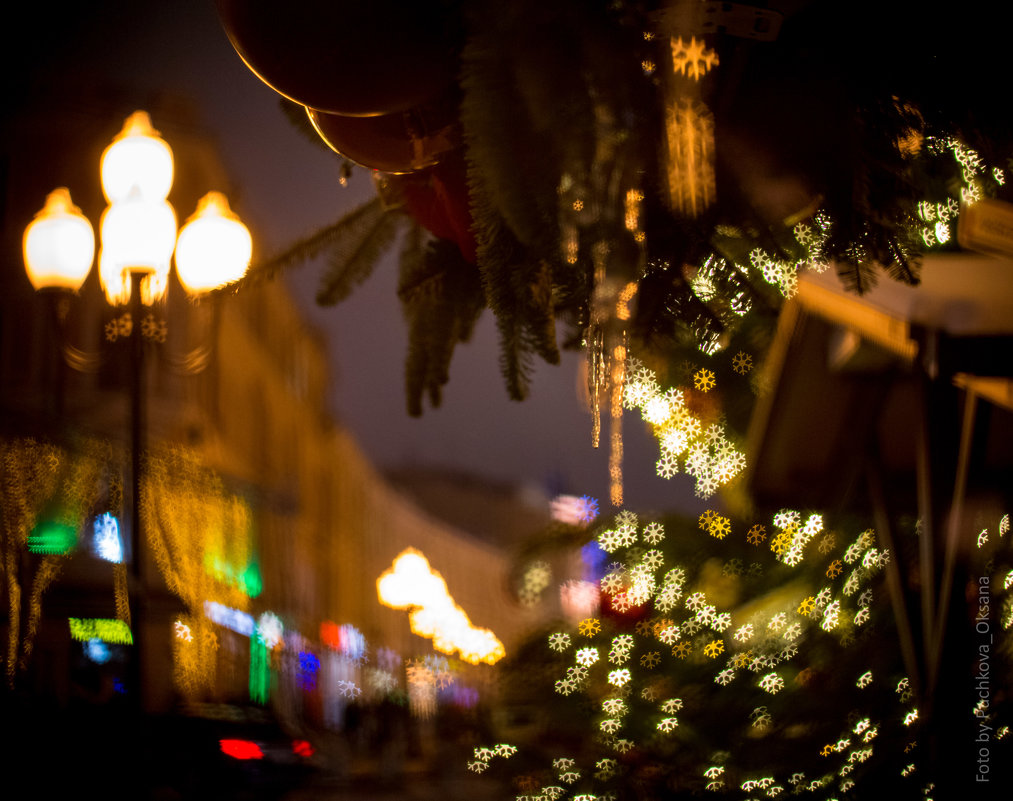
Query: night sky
{"type": "Point", "coordinates": [287, 187]}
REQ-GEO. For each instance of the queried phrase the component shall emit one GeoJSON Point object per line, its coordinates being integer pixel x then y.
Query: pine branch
{"type": "Point", "coordinates": [352, 226]}
{"type": "Point", "coordinates": [442, 297]}
{"type": "Point", "coordinates": [352, 260]}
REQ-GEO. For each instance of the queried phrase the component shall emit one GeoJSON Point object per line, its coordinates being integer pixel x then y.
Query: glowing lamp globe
{"type": "Point", "coordinates": [138, 235]}
{"type": "Point", "coordinates": [137, 160]}
{"type": "Point", "coordinates": [59, 244]}
{"type": "Point", "coordinates": [214, 247]}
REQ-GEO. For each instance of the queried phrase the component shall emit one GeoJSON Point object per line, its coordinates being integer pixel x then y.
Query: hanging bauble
{"type": "Point", "coordinates": [346, 56]}
{"type": "Point", "coordinates": [401, 142]}
{"type": "Point", "coordinates": [438, 200]}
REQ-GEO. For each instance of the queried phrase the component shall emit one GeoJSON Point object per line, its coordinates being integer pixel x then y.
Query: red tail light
{"type": "Point", "coordinates": [241, 749]}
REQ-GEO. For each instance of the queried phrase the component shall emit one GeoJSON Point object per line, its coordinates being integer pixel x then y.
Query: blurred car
{"type": "Point", "coordinates": [226, 751]}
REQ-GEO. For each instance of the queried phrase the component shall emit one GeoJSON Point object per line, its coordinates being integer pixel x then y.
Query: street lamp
{"type": "Point", "coordinates": [138, 238]}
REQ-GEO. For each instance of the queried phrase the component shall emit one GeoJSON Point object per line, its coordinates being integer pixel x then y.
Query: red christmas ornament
{"type": "Point", "coordinates": [437, 198]}
{"type": "Point", "coordinates": [346, 56]}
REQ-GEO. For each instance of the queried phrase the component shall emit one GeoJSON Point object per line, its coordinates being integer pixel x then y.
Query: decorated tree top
{"type": "Point", "coordinates": [631, 171]}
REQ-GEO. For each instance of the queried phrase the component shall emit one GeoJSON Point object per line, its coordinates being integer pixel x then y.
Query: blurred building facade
{"type": "Point", "coordinates": [266, 528]}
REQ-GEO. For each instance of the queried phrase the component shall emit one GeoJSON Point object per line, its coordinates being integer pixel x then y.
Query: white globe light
{"type": "Point", "coordinates": [59, 244]}
{"type": "Point", "coordinates": [138, 160]}
{"type": "Point", "coordinates": [214, 247]}
{"type": "Point", "coordinates": [137, 235]}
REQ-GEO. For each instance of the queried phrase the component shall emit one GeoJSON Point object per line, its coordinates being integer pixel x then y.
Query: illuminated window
{"type": "Point", "coordinates": [106, 630]}
{"type": "Point", "coordinates": [233, 619]}
{"type": "Point", "coordinates": [106, 541]}
{"type": "Point", "coordinates": [97, 651]}
{"type": "Point", "coordinates": [52, 538]}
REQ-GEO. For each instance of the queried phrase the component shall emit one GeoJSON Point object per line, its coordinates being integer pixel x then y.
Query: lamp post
{"type": "Point", "coordinates": [138, 235]}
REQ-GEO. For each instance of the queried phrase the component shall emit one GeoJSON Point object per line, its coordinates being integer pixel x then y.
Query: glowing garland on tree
{"type": "Point", "coordinates": [776, 609]}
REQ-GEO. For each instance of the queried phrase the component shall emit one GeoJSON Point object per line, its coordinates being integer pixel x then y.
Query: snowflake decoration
{"type": "Point", "coordinates": [653, 559]}
{"type": "Point", "coordinates": [621, 602]}
{"type": "Point", "coordinates": [666, 466]}
{"type": "Point", "coordinates": [587, 656]}
{"type": "Point", "coordinates": [742, 363]}
{"type": "Point", "coordinates": [681, 650]}
{"type": "Point", "coordinates": [761, 718]}
{"type": "Point", "coordinates": [654, 533]}
{"type": "Point", "coordinates": [667, 724]}
{"type": "Point", "coordinates": [692, 59]}
{"type": "Point", "coordinates": [565, 686]}
{"type": "Point", "coordinates": [610, 725]}
{"type": "Point", "coordinates": [612, 582]}
{"type": "Point", "coordinates": [621, 646]}
{"type": "Point", "coordinates": [559, 641]}
{"type": "Point", "coordinates": [703, 379]}
{"type": "Point", "coordinates": [743, 633]}
{"type": "Point", "coordinates": [834, 569]}
{"type": "Point", "coordinates": [714, 648]}
{"type": "Point", "coordinates": [608, 540]}
{"type": "Point", "coordinates": [606, 768]}
{"type": "Point", "coordinates": [696, 601]}
{"type": "Point", "coordinates": [614, 706]}
{"type": "Point", "coordinates": [650, 659]}
{"type": "Point", "coordinates": [756, 534]}
{"type": "Point", "coordinates": [477, 766]}
{"type": "Point", "coordinates": [807, 606]}
{"type": "Point", "coordinates": [669, 634]}
{"type": "Point", "coordinates": [589, 627]}
{"type": "Point", "coordinates": [831, 616]}
{"type": "Point", "coordinates": [725, 677]}
{"type": "Point", "coordinates": [619, 677]}
{"type": "Point", "coordinates": [772, 683]}
{"type": "Point", "coordinates": [719, 527]}
{"type": "Point", "coordinates": [153, 329]}
{"type": "Point", "coordinates": [864, 680]}
{"type": "Point", "coordinates": [705, 614]}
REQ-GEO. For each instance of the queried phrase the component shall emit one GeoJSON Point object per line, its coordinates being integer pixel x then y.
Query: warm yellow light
{"type": "Point", "coordinates": [412, 584]}
{"type": "Point", "coordinates": [214, 247]}
{"type": "Point", "coordinates": [137, 235]}
{"type": "Point", "coordinates": [59, 244]}
{"type": "Point", "coordinates": [138, 160]}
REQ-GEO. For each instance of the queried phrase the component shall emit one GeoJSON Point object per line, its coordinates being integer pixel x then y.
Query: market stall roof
{"type": "Point", "coordinates": [845, 373]}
